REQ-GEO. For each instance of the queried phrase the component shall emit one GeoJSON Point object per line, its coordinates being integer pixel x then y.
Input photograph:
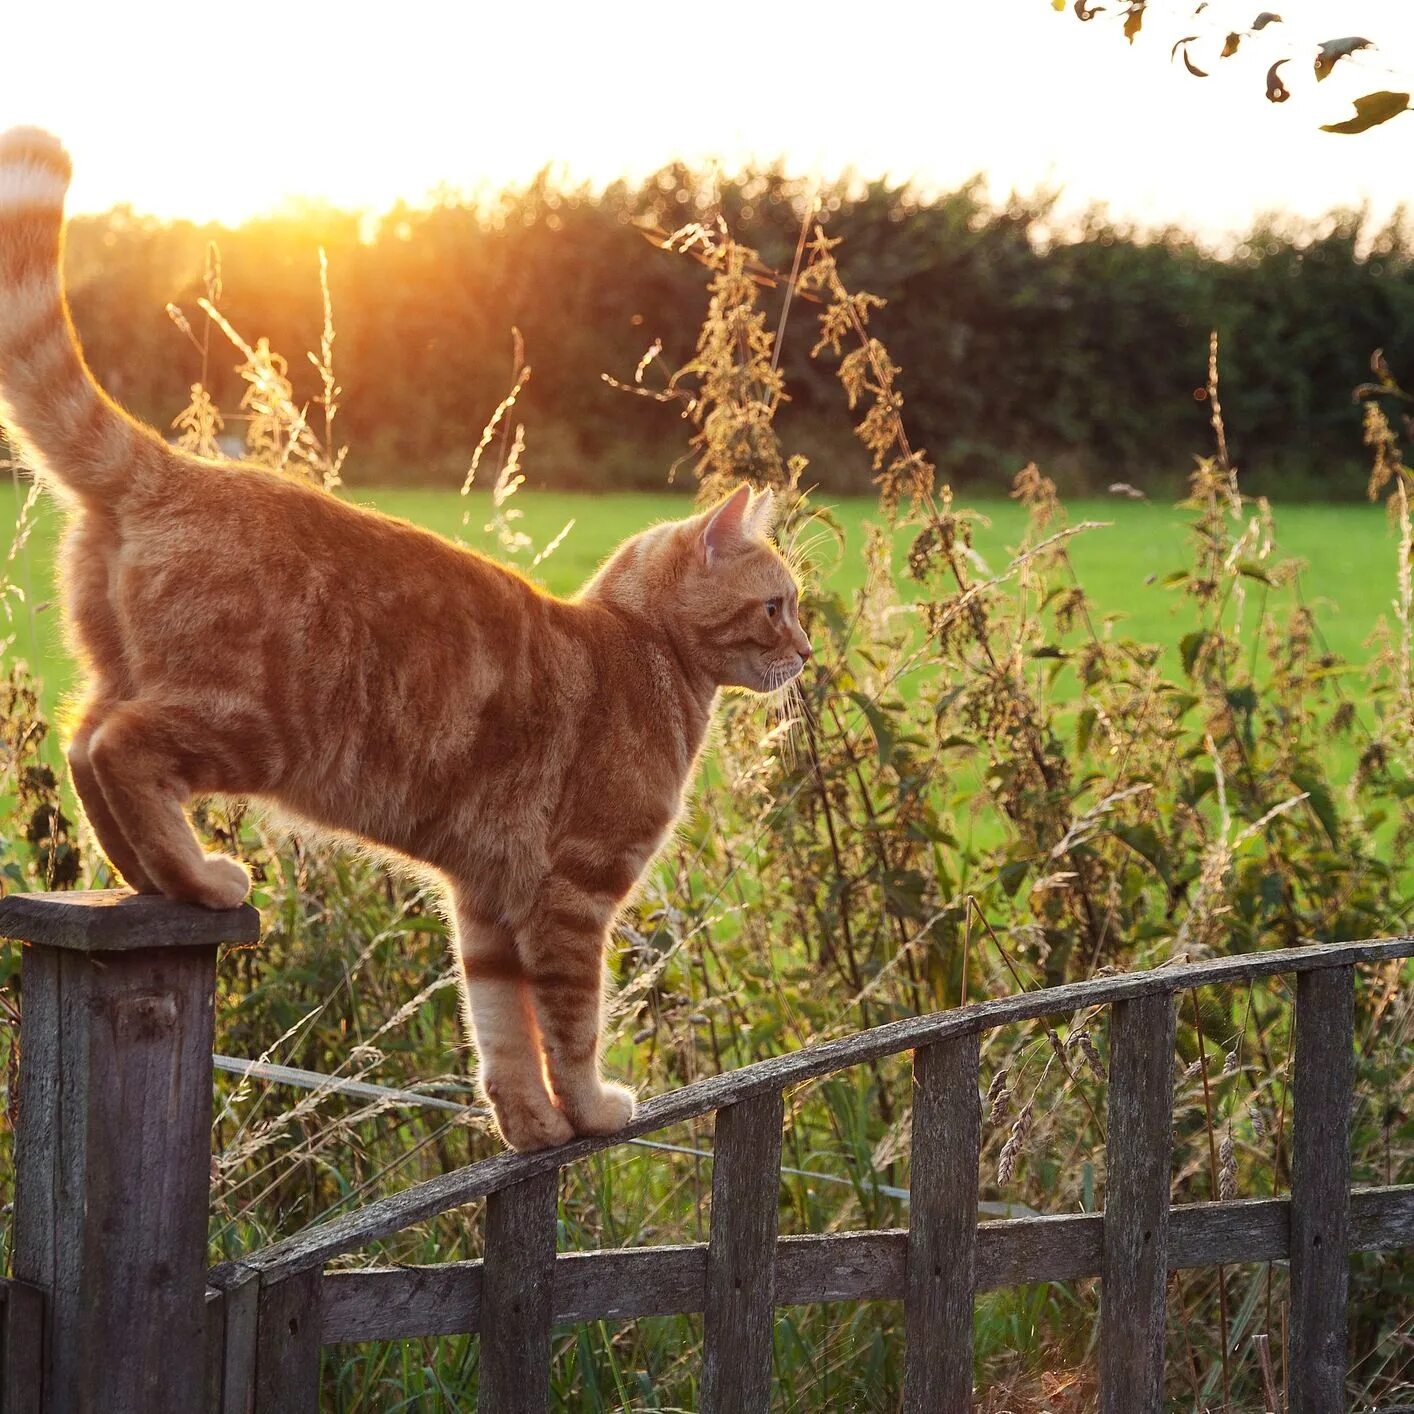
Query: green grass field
{"type": "Point", "coordinates": [1350, 553]}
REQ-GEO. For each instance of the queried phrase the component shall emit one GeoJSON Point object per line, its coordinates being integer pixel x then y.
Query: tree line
{"type": "Point", "coordinates": [1081, 344]}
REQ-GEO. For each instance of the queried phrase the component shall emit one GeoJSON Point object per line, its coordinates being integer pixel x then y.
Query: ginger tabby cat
{"type": "Point", "coordinates": [247, 635]}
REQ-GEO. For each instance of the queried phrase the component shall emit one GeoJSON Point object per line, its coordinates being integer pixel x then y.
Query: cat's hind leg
{"type": "Point", "coordinates": [562, 950]}
{"type": "Point", "coordinates": [148, 759]}
{"type": "Point", "coordinates": [115, 844]}
{"type": "Point", "coordinates": [507, 1040]}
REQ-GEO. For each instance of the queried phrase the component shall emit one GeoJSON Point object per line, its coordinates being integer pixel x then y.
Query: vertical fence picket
{"type": "Point", "coordinates": [1134, 1263]}
{"type": "Point", "coordinates": [942, 1227]}
{"type": "Point", "coordinates": [1322, 1087]}
{"type": "Point", "coordinates": [518, 1280]}
{"type": "Point", "coordinates": [288, 1325]}
{"type": "Point", "coordinates": [741, 1257]}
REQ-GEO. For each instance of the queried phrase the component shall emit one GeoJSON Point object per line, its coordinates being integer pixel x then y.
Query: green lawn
{"type": "Point", "coordinates": [1350, 552]}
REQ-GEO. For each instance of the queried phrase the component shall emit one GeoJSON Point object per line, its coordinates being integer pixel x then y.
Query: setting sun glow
{"type": "Point", "coordinates": [214, 112]}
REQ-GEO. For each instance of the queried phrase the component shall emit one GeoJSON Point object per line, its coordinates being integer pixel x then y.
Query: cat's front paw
{"type": "Point", "coordinates": [222, 883]}
{"type": "Point", "coordinates": [604, 1112]}
{"type": "Point", "coordinates": [528, 1122]}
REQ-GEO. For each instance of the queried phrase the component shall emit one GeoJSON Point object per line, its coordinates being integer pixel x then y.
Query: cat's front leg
{"type": "Point", "coordinates": [562, 950]}
{"type": "Point", "coordinates": [502, 1026]}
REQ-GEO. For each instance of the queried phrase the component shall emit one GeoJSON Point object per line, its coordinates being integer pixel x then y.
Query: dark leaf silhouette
{"type": "Point", "coordinates": [1277, 91]}
{"type": "Point", "coordinates": [1370, 111]}
{"type": "Point", "coordinates": [1333, 50]}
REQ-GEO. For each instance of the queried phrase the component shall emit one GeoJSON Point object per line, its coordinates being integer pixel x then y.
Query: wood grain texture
{"type": "Point", "coordinates": [288, 1324]}
{"type": "Point", "coordinates": [739, 1316]}
{"type": "Point", "coordinates": [21, 1348]}
{"type": "Point", "coordinates": [941, 1272]}
{"type": "Point", "coordinates": [517, 1286]}
{"type": "Point", "coordinates": [401, 1303]}
{"type": "Point", "coordinates": [324, 1241]}
{"type": "Point", "coordinates": [240, 1303]}
{"type": "Point", "coordinates": [215, 1350]}
{"type": "Point", "coordinates": [113, 1169]}
{"type": "Point", "coordinates": [1322, 1090]}
{"type": "Point", "coordinates": [1138, 1160]}
{"type": "Point", "coordinates": [114, 920]}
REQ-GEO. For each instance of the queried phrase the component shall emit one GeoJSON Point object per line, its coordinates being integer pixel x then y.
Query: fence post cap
{"type": "Point", "coordinates": [115, 920]}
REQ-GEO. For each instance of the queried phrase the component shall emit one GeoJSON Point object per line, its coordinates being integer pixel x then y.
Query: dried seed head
{"type": "Point", "coordinates": [1006, 1165]}
{"type": "Point", "coordinates": [1001, 1103]}
{"type": "Point", "coordinates": [1259, 1121]}
{"type": "Point", "coordinates": [1016, 1142]}
{"type": "Point", "coordinates": [1227, 1168]}
{"type": "Point", "coordinates": [1230, 1063]}
{"type": "Point", "coordinates": [999, 1081]}
{"type": "Point", "coordinates": [1092, 1056]}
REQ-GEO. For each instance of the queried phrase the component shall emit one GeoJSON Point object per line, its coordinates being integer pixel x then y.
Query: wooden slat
{"type": "Point", "coordinates": [401, 1303]}
{"type": "Point", "coordinates": [942, 1227]}
{"type": "Point", "coordinates": [215, 1350]}
{"type": "Point", "coordinates": [1138, 1159]}
{"type": "Point", "coordinates": [22, 1349]}
{"type": "Point", "coordinates": [517, 1286]}
{"type": "Point", "coordinates": [1322, 1088]}
{"type": "Point", "coordinates": [288, 1325]}
{"type": "Point", "coordinates": [240, 1310]}
{"type": "Point", "coordinates": [324, 1241]}
{"type": "Point", "coordinates": [741, 1258]}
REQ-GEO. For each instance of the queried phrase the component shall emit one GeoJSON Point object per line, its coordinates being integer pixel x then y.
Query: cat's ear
{"type": "Point", "coordinates": [727, 526]}
{"type": "Point", "coordinates": [761, 518]}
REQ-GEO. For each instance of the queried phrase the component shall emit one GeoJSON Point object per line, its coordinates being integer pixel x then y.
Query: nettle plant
{"type": "Point", "coordinates": [984, 785]}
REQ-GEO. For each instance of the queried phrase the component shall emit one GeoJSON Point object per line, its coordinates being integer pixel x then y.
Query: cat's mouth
{"type": "Point", "coordinates": [782, 671]}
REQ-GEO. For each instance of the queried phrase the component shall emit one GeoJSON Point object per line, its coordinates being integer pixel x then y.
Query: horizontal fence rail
{"type": "Point", "coordinates": [402, 1303]}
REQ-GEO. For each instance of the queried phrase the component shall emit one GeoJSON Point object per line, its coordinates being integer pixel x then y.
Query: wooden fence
{"type": "Point", "coordinates": [111, 1307]}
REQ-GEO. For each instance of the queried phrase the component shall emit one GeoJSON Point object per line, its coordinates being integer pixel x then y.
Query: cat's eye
{"type": "Point", "coordinates": [773, 607]}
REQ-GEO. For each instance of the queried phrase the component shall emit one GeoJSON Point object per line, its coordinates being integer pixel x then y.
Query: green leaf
{"type": "Point", "coordinates": [884, 737]}
{"type": "Point", "coordinates": [1085, 728]}
{"type": "Point", "coordinates": [1333, 50]}
{"type": "Point", "coordinates": [1319, 799]}
{"type": "Point", "coordinates": [1049, 650]}
{"type": "Point", "coordinates": [1190, 646]}
{"type": "Point", "coordinates": [1370, 111]}
{"type": "Point", "coordinates": [1145, 842]}
{"type": "Point", "coordinates": [1252, 569]}
{"type": "Point", "coordinates": [1011, 875]}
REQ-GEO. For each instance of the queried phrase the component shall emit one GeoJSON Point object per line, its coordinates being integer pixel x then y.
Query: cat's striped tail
{"type": "Point", "coordinates": [68, 429]}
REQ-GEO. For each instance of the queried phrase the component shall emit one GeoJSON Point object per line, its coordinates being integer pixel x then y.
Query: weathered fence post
{"type": "Point", "coordinates": [517, 1285]}
{"type": "Point", "coordinates": [1322, 1087]}
{"type": "Point", "coordinates": [942, 1227]}
{"type": "Point", "coordinates": [113, 1150]}
{"type": "Point", "coordinates": [1138, 1158]}
{"type": "Point", "coordinates": [739, 1315]}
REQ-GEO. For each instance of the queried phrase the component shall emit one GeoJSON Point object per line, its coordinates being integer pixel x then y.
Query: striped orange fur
{"type": "Point", "coordinates": [246, 635]}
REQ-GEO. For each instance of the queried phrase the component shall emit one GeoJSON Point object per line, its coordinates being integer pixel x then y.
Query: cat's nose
{"type": "Point", "coordinates": [802, 646]}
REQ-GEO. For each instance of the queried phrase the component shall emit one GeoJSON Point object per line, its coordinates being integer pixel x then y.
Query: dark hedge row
{"type": "Point", "coordinates": [1080, 346]}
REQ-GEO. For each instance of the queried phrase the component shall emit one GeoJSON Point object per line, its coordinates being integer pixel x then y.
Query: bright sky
{"type": "Point", "coordinates": [211, 110]}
